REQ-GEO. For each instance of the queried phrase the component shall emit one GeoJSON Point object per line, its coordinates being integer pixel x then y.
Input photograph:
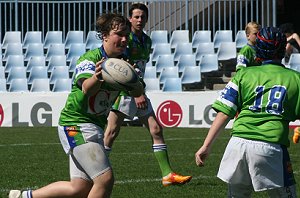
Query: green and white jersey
{"type": "Point", "coordinates": [139, 50]}
{"type": "Point", "coordinates": [267, 98]}
{"type": "Point", "coordinates": [246, 57]}
{"type": "Point", "coordinates": [80, 108]}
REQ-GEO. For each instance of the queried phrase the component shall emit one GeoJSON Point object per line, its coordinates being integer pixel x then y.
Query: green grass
{"type": "Point", "coordinates": [33, 157]}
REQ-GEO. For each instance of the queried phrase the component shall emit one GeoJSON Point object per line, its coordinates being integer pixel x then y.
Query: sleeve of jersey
{"type": "Point", "coordinates": [85, 67]}
{"type": "Point", "coordinates": [227, 100]}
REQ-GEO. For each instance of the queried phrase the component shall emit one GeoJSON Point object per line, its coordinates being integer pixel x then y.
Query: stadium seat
{"type": "Point", "coordinates": [208, 63]}
{"type": "Point", "coordinates": [34, 49]}
{"type": "Point", "coordinates": [37, 72]}
{"type": "Point", "coordinates": [227, 51]}
{"type": "Point", "coordinates": [3, 85]}
{"type": "Point", "coordinates": [222, 36]}
{"type": "Point", "coordinates": [96, 45]}
{"type": "Point", "coordinates": [55, 50]}
{"type": "Point", "coordinates": [12, 49]}
{"type": "Point", "coordinates": [191, 75]}
{"type": "Point", "coordinates": [204, 48]}
{"type": "Point", "coordinates": [11, 37]}
{"type": "Point", "coordinates": [59, 60]}
{"type": "Point", "coordinates": [2, 72]}
{"type": "Point", "coordinates": [201, 36]}
{"type": "Point", "coordinates": [182, 49]}
{"type": "Point", "coordinates": [241, 39]}
{"type": "Point", "coordinates": [172, 85]}
{"type": "Point", "coordinates": [14, 61]}
{"type": "Point", "coordinates": [186, 60]}
{"type": "Point", "coordinates": [36, 61]}
{"type": "Point", "coordinates": [73, 63]}
{"type": "Point", "coordinates": [73, 37]}
{"type": "Point", "coordinates": [59, 72]}
{"type": "Point", "coordinates": [294, 62]}
{"type": "Point", "coordinates": [16, 72]}
{"type": "Point", "coordinates": [53, 37]}
{"type": "Point", "coordinates": [150, 72]}
{"type": "Point", "coordinates": [163, 61]}
{"type": "Point", "coordinates": [76, 49]}
{"type": "Point", "coordinates": [179, 36]}
{"type": "Point", "coordinates": [152, 84]}
{"type": "Point", "coordinates": [159, 36]}
{"type": "Point", "coordinates": [32, 37]}
{"type": "Point", "coordinates": [40, 85]}
{"type": "Point", "coordinates": [92, 39]}
{"type": "Point", "coordinates": [160, 49]}
{"type": "Point", "coordinates": [18, 85]}
{"type": "Point", "coordinates": [168, 72]}
{"type": "Point", "coordinates": [62, 85]}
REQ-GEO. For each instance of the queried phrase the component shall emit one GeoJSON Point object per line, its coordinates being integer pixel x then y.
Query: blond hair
{"type": "Point", "coordinates": [252, 27]}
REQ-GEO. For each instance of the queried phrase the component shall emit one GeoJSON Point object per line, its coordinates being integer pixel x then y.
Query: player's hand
{"type": "Point", "coordinates": [98, 69]}
{"type": "Point", "coordinates": [201, 155]}
{"type": "Point", "coordinates": [141, 102]}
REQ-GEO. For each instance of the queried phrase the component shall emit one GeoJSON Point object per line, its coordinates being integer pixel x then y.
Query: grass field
{"type": "Point", "coordinates": [33, 157]}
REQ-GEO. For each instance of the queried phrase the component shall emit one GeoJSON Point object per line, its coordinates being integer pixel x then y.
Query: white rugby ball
{"type": "Point", "coordinates": [120, 75]}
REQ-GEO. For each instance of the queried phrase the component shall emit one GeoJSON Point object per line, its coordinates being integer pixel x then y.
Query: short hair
{"type": "Point", "coordinates": [140, 6]}
{"type": "Point", "coordinates": [252, 26]}
{"type": "Point", "coordinates": [109, 21]}
{"type": "Point", "coordinates": [287, 28]}
{"type": "Point", "coordinates": [270, 44]}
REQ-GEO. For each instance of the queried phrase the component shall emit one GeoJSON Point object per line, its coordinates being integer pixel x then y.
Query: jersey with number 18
{"type": "Point", "coordinates": [267, 98]}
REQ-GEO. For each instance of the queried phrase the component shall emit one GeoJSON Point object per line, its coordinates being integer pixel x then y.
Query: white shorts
{"type": "Point", "coordinates": [84, 144]}
{"type": "Point", "coordinates": [260, 165]}
{"type": "Point", "coordinates": [127, 106]}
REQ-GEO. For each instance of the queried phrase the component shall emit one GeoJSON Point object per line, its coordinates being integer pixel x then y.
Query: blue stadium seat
{"type": "Point", "coordinates": [166, 60]}
{"type": "Point", "coordinates": [73, 63]}
{"type": "Point", "coordinates": [168, 72]}
{"type": "Point", "coordinates": [159, 36]}
{"type": "Point", "coordinates": [34, 49]}
{"type": "Point", "coordinates": [3, 85]}
{"type": "Point", "coordinates": [191, 75]}
{"type": "Point", "coordinates": [92, 40]}
{"type": "Point", "coordinates": [53, 37]}
{"type": "Point", "coordinates": [160, 49]}
{"type": "Point", "coordinates": [152, 84]}
{"type": "Point", "coordinates": [2, 72]}
{"type": "Point", "coordinates": [204, 48]}
{"type": "Point", "coordinates": [172, 85]}
{"type": "Point", "coordinates": [179, 36]}
{"type": "Point", "coordinates": [55, 50]}
{"type": "Point", "coordinates": [59, 72]}
{"type": "Point", "coordinates": [208, 63]}
{"type": "Point", "coordinates": [14, 61]}
{"type": "Point", "coordinates": [62, 85]}
{"type": "Point", "coordinates": [150, 72]}
{"type": "Point", "coordinates": [11, 37]}
{"type": "Point", "coordinates": [201, 36]}
{"type": "Point", "coordinates": [40, 85]}
{"type": "Point", "coordinates": [59, 60]}
{"type": "Point", "coordinates": [186, 60]}
{"type": "Point", "coordinates": [37, 72]}
{"type": "Point", "coordinates": [32, 37]}
{"type": "Point", "coordinates": [76, 49]}
{"type": "Point", "coordinates": [73, 36]}
{"type": "Point", "coordinates": [16, 72]}
{"type": "Point", "coordinates": [241, 39]}
{"type": "Point", "coordinates": [12, 49]}
{"type": "Point", "coordinates": [36, 61]}
{"type": "Point", "coordinates": [222, 36]}
{"type": "Point", "coordinates": [182, 49]}
{"type": "Point", "coordinates": [18, 85]}
{"type": "Point", "coordinates": [227, 51]}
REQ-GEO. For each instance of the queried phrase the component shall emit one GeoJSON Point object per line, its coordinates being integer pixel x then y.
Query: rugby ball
{"type": "Point", "coordinates": [120, 75]}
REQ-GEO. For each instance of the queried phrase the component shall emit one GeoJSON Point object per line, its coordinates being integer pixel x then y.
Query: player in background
{"type": "Point", "coordinates": [246, 56]}
{"type": "Point", "coordinates": [268, 98]}
{"type": "Point", "coordinates": [128, 107]}
{"type": "Point", "coordinates": [83, 118]}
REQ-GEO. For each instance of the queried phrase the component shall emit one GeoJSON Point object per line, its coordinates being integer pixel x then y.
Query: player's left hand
{"type": "Point", "coordinates": [141, 102]}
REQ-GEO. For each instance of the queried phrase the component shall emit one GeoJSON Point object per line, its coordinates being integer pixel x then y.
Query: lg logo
{"type": "Point", "coordinates": [169, 114]}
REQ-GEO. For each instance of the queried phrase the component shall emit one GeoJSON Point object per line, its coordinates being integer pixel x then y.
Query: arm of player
{"type": "Point", "coordinates": [217, 126]}
{"type": "Point", "coordinates": [92, 85]}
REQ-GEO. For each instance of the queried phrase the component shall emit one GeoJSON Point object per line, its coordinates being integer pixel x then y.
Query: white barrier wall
{"type": "Point", "coordinates": [185, 109]}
